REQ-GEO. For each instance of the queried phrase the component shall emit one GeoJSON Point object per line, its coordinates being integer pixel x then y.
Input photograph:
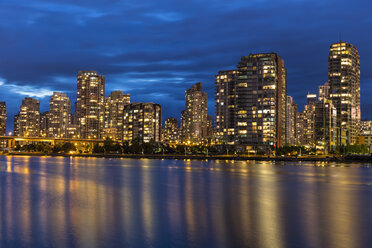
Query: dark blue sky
{"type": "Point", "coordinates": [156, 49]}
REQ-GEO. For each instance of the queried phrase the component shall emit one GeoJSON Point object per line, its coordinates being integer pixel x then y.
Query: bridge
{"type": "Point", "coordinates": [12, 139]}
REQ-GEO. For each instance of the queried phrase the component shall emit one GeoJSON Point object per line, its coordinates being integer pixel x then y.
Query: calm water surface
{"type": "Point", "coordinates": [91, 202]}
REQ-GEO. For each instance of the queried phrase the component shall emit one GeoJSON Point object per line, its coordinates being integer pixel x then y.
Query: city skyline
{"type": "Point", "coordinates": [253, 111]}
{"type": "Point", "coordinates": [43, 50]}
{"type": "Point", "coordinates": [211, 102]}
{"type": "Point", "coordinates": [215, 123]}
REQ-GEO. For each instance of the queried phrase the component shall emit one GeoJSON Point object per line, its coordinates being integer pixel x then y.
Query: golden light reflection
{"type": "Point", "coordinates": [270, 224]}
{"type": "Point", "coordinates": [84, 202]}
{"type": "Point", "coordinates": [147, 202]}
{"type": "Point", "coordinates": [341, 212]}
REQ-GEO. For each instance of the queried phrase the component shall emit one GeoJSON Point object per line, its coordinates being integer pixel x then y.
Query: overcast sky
{"type": "Point", "coordinates": [154, 50]}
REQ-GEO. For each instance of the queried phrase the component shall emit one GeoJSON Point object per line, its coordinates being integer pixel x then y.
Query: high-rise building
{"type": "Point", "coordinates": [195, 129]}
{"type": "Point", "coordinates": [16, 125]}
{"type": "Point", "coordinates": [316, 124]}
{"type": "Point", "coordinates": [3, 119]}
{"type": "Point", "coordinates": [291, 113]}
{"type": "Point", "coordinates": [225, 97]}
{"type": "Point", "coordinates": [142, 120]}
{"type": "Point", "coordinates": [323, 92]}
{"type": "Point", "coordinates": [183, 127]}
{"type": "Point", "coordinates": [261, 101]}
{"type": "Point", "coordinates": [210, 133]}
{"type": "Point", "coordinates": [27, 121]}
{"type": "Point", "coordinates": [171, 131]}
{"type": "Point", "coordinates": [344, 90]}
{"type": "Point", "coordinates": [44, 124]}
{"type": "Point", "coordinates": [325, 118]}
{"type": "Point", "coordinates": [300, 128]}
{"type": "Point", "coordinates": [90, 104]}
{"type": "Point", "coordinates": [308, 122]}
{"type": "Point", "coordinates": [114, 107]}
{"type": "Point", "coordinates": [59, 115]}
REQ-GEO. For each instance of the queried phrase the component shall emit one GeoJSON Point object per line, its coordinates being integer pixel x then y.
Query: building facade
{"type": "Point", "coordinates": [72, 131]}
{"type": "Point", "coordinates": [195, 129]}
{"type": "Point", "coordinates": [90, 104]}
{"type": "Point", "coordinates": [365, 136]}
{"type": "Point", "coordinates": [114, 109]}
{"type": "Point", "coordinates": [171, 131]}
{"type": "Point", "coordinates": [323, 92]}
{"type": "Point", "coordinates": [300, 128]}
{"type": "Point", "coordinates": [44, 124]}
{"type": "Point", "coordinates": [308, 122]}
{"type": "Point", "coordinates": [3, 119]}
{"type": "Point", "coordinates": [325, 126]}
{"type": "Point", "coordinates": [27, 121]}
{"type": "Point", "coordinates": [59, 115]}
{"type": "Point", "coordinates": [344, 90]}
{"type": "Point", "coordinates": [225, 104]}
{"type": "Point", "coordinates": [261, 101]}
{"type": "Point", "coordinates": [143, 121]}
{"type": "Point", "coordinates": [291, 114]}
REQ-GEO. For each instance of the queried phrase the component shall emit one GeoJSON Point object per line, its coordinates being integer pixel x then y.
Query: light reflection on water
{"type": "Point", "coordinates": [92, 202]}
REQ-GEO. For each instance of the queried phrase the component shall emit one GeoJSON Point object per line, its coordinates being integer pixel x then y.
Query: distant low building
{"type": "Point", "coordinates": [365, 135]}
{"type": "Point", "coordinates": [171, 131]}
{"type": "Point", "coordinates": [72, 131]}
{"type": "Point", "coordinates": [291, 114]}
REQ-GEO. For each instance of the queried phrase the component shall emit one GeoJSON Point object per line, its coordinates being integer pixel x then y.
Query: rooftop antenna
{"type": "Point", "coordinates": [340, 37]}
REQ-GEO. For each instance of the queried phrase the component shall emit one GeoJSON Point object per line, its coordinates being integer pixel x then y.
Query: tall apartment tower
{"type": "Point", "coordinates": [308, 122]}
{"type": "Point", "coordinates": [300, 128]}
{"type": "Point", "coordinates": [142, 120]}
{"type": "Point", "coordinates": [291, 114]}
{"type": "Point", "coordinates": [196, 117]}
{"type": "Point", "coordinates": [3, 119]}
{"type": "Point", "coordinates": [114, 107]}
{"type": "Point", "coordinates": [59, 115]}
{"type": "Point", "coordinates": [261, 101]}
{"type": "Point", "coordinates": [183, 127]}
{"type": "Point", "coordinates": [90, 104]}
{"type": "Point", "coordinates": [344, 90]}
{"type": "Point", "coordinates": [3, 123]}
{"type": "Point", "coordinates": [325, 118]}
{"type": "Point", "coordinates": [225, 97]}
{"type": "Point", "coordinates": [16, 127]}
{"type": "Point", "coordinates": [27, 121]}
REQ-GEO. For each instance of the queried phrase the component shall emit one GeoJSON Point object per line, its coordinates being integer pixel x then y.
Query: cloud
{"type": "Point", "coordinates": [25, 90]}
{"type": "Point", "coordinates": [166, 16]}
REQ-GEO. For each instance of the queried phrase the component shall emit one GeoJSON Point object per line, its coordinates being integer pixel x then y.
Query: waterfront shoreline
{"type": "Point", "coordinates": [347, 158]}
